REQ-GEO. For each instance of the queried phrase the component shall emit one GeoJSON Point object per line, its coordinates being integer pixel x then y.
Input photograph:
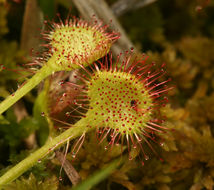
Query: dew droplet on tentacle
{"type": "Point", "coordinates": [146, 157]}
{"type": "Point", "coordinates": [73, 155]}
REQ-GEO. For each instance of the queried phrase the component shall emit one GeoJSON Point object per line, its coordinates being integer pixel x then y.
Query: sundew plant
{"type": "Point", "coordinates": [120, 97]}
{"type": "Point", "coordinates": [77, 115]}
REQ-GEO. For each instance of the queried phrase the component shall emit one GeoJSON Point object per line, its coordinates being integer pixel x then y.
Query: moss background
{"type": "Point", "coordinates": [179, 33]}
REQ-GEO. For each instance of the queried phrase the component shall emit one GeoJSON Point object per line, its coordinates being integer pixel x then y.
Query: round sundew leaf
{"type": "Point", "coordinates": [78, 43]}
{"type": "Point", "coordinates": [119, 101]}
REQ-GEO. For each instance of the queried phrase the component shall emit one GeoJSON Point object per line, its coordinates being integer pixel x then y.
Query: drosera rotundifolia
{"type": "Point", "coordinates": [119, 100]}
{"type": "Point", "coordinates": [69, 44]}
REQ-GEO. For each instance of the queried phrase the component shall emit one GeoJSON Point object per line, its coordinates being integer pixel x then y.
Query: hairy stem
{"type": "Point", "coordinates": [29, 85]}
{"type": "Point", "coordinates": [75, 131]}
